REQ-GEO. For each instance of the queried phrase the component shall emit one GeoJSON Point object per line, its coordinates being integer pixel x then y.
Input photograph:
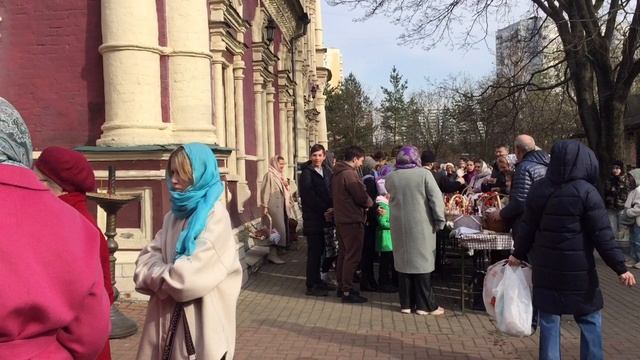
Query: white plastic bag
{"type": "Point", "coordinates": [514, 309]}
{"type": "Point", "coordinates": [492, 279]}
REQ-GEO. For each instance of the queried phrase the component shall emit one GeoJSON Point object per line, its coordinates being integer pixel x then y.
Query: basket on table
{"type": "Point", "coordinates": [455, 205]}
{"type": "Point", "coordinates": [492, 202]}
{"type": "Point", "coordinates": [458, 211]}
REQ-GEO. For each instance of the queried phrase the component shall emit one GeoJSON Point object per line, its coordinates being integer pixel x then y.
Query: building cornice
{"type": "Point", "coordinates": [287, 14]}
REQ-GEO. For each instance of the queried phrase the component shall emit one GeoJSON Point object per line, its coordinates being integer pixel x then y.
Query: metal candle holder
{"type": "Point", "coordinates": [121, 326]}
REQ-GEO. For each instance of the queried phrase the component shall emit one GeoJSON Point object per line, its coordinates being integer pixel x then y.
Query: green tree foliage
{"type": "Point", "coordinates": [349, 115]}
{"type": "Point", "coordinates": [394, 111]}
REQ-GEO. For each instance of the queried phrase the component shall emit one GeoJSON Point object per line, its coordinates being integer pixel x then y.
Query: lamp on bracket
{"type": "Point", "coordinates": [314, 90]}
{"type": "Point", "coordinates": [270, 30]}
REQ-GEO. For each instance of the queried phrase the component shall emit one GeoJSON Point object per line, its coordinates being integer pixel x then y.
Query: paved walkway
{"type": "Point", "coordinates": [277, 321]}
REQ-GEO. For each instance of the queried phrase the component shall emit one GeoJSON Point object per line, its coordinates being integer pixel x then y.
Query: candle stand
{"type": "Point", "coordinates": [111, 203]}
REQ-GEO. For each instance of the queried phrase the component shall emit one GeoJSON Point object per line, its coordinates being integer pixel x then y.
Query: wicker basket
{"type": "Point", "coordinates": [495, 204]}
{"type": "Point", "coordinates": [455, 206]}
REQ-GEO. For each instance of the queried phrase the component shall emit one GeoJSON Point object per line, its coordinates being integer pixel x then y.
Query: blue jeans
{"type": "Point", "coordinates": [590, 336]}
{"type": "Point", "coordinates": [635, 243]}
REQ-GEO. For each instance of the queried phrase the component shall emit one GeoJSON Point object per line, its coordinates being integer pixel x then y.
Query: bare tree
{"type": "Point", "coordinates": [598, 48]}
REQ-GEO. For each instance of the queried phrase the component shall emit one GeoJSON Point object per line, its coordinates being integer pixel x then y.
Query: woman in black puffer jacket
{"type": "Point", "coordinates": [564, 220]}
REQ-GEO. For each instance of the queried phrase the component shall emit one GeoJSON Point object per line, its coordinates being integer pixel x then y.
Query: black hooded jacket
{"type": "Point", "coordinates": [564, 220]}
{"type": "Point", "coordinates": [315, 194]}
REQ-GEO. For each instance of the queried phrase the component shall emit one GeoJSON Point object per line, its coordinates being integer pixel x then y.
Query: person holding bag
{"type": "Point", "coordinates": [275, 201]}
{"type": "Point", "coordinates": [191, 270]}
{"type": "Point", "coordinates": [564, 221]}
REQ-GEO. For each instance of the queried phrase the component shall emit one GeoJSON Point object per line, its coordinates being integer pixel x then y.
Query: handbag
{"type": "Point", "coordinates": [178, 312]}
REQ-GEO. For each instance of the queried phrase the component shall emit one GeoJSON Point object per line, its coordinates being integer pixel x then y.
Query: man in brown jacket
{"type": "Point", "coordinates": [350, 201]}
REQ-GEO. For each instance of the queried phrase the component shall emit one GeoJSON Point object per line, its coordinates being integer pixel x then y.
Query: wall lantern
{"type": "Point", "coordinates": [271, 30]}
{"type": "Point", "coordinates": [314, 90]}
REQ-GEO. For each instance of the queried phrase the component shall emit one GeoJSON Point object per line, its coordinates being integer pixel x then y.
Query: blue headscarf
{"type": "Point", "coordinates": [197, 200]}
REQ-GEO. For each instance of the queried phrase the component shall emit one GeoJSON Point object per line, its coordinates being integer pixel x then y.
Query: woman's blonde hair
{"type": "Point", "coordinates": [179, 161]}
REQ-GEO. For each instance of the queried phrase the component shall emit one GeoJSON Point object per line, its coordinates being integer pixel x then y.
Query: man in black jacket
{"type": "Point", "coordinates": [564, 221]}
{"type": "Point", "coordinates": [531, 167]}
{"type": "Point", "coordinates": [317, 206]}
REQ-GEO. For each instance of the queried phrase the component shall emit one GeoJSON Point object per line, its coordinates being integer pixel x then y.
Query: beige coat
{"type": "Point", "coordinates": [208, 281]}
{"type": "Point", "coordinates": [272, 196]}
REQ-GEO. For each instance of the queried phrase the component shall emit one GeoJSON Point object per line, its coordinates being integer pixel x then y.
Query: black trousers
{"type": "Point", "coordinates": [387, 274]}
{"type": "Point", "coordinates": [315, 249]}
{"type": "Point", "coordinates": [368, 254]}
{"type": "Point", "coordinates": [416, 292]}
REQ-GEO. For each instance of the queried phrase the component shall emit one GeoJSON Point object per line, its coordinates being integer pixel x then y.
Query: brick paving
{"type": "Point", "coordinates": [277, 321]}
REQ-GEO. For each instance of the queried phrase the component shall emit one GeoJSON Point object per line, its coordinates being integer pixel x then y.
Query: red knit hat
{"type": "Point", "coordinates": [67, 168]}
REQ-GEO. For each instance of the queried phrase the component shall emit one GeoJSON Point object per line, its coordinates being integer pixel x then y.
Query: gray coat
{"type": "Point", "coordinates": [417, 212]}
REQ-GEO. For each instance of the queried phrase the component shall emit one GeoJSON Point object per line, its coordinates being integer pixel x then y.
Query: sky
{"type": "Point", "coordinates": [370, 49]}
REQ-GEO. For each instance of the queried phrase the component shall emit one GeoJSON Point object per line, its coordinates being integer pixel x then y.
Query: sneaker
{"type": "Point", "coordinates": [422, 312]}
{"type": "Point", "coordinates": [438, 311]}
{"type": "Point", "coordinates": [315, 291]}
{"type": "Point", "coordinates": [353, 298]}
{"type": "Point", "coordinates": [405, 311]}
{"type": "Point", "coordinates": [629, 263]}
{"type": "Point", "coordinates": [637, 265]}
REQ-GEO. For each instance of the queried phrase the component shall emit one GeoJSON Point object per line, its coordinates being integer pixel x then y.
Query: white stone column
{"type": "Point", "coordinates": [238, 76]}
{"type": "Point", "coordinates": [283, 149]}
{"type": "Point", "coordinates": [244, 193]}
{"type": "Point", "coordinates": [190, 71]}
{"type": "Point", "coordinates": [290, 142]}
{"type": "Point", "coordinates": [218, 101]}
{"type": "Point", "coordinates": [319, 32]}
{"type": "Point", "coordinates": [230, 114]}
{"type": "Point", "coordinates": [265, 132]}
{"type": "Point", "coordinates": [271, 133]}
{"type": "Point", "coordinates": [257, 94]}
{"type": "Point", "coordinates": [322, 119]}
{"type": "Point", "coordinates": [302, 147]}
{"type": "Point", "coordinates": [131, 70]}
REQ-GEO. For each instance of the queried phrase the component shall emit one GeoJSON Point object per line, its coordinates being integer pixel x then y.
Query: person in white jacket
{"type": "Point", "coordinates": [632, 210]}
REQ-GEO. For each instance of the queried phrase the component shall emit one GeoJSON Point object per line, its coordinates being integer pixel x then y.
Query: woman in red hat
{"type": "Point", "coordinates": [69, 176]}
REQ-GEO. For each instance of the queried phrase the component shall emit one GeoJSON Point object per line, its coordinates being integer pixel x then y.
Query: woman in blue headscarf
{"type": "Point", "coordinates": [191, 270]}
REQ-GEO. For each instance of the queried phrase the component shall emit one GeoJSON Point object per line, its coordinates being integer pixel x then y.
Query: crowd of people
{"type": "Point", "coordinates": [392, 210]}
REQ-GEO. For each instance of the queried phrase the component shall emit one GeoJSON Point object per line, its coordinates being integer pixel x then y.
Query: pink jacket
{"type": "Point", "coordinates": [52, 300]}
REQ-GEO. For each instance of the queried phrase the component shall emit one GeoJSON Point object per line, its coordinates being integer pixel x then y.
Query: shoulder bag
{"type": "Point", "coordinates": [178, 312]}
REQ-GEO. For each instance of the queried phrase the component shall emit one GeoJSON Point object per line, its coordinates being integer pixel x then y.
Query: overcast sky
{"type": "Point", "coordinates": [370, 49]}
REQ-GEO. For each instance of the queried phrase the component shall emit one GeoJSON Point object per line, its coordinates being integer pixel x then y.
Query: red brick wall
{"type": "Point", "coordinates": [50, 68]}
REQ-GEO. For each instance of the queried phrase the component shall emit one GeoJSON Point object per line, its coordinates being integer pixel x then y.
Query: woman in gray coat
{"type": "Point", "coordinates": [417, 212]}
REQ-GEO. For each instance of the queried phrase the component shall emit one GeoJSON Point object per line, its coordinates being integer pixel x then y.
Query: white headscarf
{"type": "Point", "coordinates": [15, 142]}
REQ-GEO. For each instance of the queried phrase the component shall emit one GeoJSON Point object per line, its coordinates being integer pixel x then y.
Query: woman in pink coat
{"type": "Point", "coordinates": [52, 299]}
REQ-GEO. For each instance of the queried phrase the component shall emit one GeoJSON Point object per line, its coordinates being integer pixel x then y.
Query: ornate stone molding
{"type": "Point", "coordinates": [227, 27]}
{"type": "Point", "coordinates": [286, 14]}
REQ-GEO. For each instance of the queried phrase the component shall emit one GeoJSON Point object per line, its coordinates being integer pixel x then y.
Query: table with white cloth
{"type": "Point", "coordinates": [468, 244]}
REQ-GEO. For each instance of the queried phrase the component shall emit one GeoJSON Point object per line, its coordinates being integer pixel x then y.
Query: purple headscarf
{"type": "Point", "coordinates": [384, 171]}
{"type": "Point", "coordinates": [408, 158]}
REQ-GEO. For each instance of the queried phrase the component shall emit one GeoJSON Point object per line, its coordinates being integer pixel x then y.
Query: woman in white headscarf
{"type": "Point", "coordinates": [276, 204]}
